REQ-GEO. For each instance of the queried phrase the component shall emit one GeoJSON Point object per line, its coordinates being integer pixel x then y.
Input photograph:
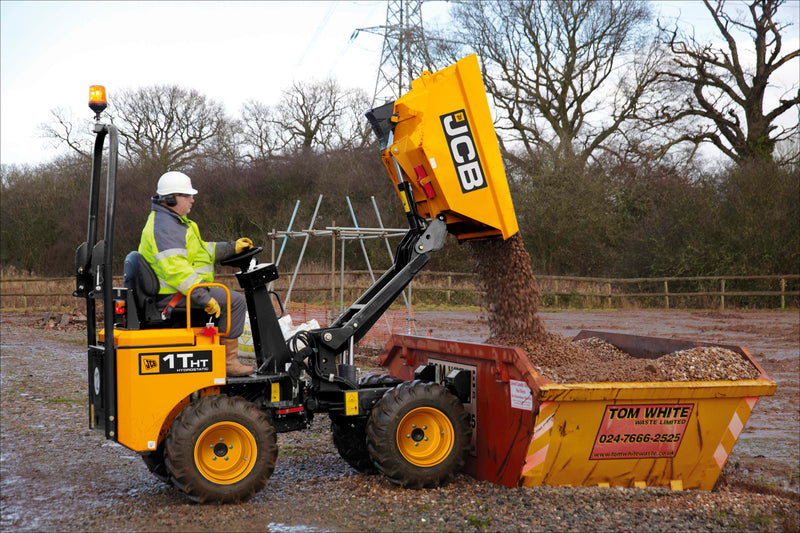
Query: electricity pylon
{"type": "Point", "coordinates": [405, 52]}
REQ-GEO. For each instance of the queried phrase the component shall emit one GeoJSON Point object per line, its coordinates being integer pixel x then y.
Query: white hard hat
{"type": "Point", "coordinates": [174, 182]}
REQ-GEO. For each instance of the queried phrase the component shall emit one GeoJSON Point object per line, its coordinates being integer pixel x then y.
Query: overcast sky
{"type": "Point", "coordinates": [50, 52]}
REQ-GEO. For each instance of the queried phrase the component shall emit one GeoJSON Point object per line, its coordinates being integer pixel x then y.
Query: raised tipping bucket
{"type": "Point", "coordinates": [530, 431]}
{"type": "Point", "coordinates": [441, 135]}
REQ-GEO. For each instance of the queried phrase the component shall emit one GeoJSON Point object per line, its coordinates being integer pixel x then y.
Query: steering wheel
{"type": "Point", "coordinates": [242, 260]}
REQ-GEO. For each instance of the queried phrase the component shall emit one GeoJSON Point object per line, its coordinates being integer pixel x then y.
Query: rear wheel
{"type": "Point", "coordinates": [350, 439]}
{"type": "Point", "coordinates": [156, 465]}
{"type": "Point", "coordinates": [418, 434]}
{"type": "Point", "coordinates": [350, 432]}
{"type": "Point", "coordinates": [221, 449]}
{"type": "Point", "coordinates": [378, 380]}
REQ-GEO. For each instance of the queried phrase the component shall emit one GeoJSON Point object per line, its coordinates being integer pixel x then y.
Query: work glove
{"type": "Point", "coordinates": [212, 308]}
{"type": "Point", "coordinates": [243, 245]}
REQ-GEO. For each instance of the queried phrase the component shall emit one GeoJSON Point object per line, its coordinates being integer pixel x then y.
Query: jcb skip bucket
{"type": "Point", "coordinates": [530, 431]}
{"type": "Point", "coordinates": [439, 138]}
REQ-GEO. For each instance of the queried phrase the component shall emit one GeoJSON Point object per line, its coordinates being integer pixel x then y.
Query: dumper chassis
{"type": "Point", "coordinates": [157, 383]}
{"type": "Point", "coordinates": [235, 424]}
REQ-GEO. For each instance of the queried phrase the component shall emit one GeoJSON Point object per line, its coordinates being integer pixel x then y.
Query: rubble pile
{"type": "Point", "coordinates": [512, 301]}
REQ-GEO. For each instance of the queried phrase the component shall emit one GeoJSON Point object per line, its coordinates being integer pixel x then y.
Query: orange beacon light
{"type": "Point", "coordinates": [97, 99]}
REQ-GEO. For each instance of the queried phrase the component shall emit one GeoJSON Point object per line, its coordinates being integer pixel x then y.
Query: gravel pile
{"type": "Point", "coordinates": [595, 360]}
{"type": "Point", "coordinates": [602, 349]}
{"type": "Point", "coordinates": [704, 363]}
{"type": "Point", "coordinates": [512, 300]}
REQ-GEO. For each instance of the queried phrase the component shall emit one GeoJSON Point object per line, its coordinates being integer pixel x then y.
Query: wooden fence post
{"type": "Point", "coordinates": [722, 295]}
{"type": "Point", "coordinates": [449, 286]}
{"type": "Point", "coordinates": [555, 300]}
{"type": "Point", "coordinates": [666, 293]}
{"type": "Point", "coordinates": [783, 296]}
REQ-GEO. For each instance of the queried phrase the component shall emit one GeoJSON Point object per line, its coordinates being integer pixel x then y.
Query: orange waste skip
{"type": "Point", "coordinates": [528, 430]}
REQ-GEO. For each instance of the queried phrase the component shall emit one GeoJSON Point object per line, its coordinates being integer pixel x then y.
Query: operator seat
{"type": "Point", "coordinates": [142, 283]}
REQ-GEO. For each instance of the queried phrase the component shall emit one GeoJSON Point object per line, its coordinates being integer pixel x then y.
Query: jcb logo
{"type": "Point", "coordinates": [463, 152]}
{"type": "Point", "coordinates": [150, 364]}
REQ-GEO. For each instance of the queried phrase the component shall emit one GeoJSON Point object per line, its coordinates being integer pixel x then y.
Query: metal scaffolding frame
{"type": "Point", "coordinates": [341, 234]}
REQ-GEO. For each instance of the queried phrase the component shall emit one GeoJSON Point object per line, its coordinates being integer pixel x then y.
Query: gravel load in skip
{"type": "Point", "coordinates": [597, 360]}
{"type": "Point", "coordinates": [512, 300]}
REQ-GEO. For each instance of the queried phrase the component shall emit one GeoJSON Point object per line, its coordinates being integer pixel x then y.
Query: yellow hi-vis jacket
{"type": "Point", "coordinates": [180, 258]}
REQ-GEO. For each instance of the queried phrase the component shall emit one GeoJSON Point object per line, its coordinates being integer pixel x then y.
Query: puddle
{"type": "Point", "coordinates": [283, 528]}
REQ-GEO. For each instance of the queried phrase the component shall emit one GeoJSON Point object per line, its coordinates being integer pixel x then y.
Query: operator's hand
{"type": "Point", "coordinates": [243, 245]}
{"type": "Point", "coordinates": [212, 308]}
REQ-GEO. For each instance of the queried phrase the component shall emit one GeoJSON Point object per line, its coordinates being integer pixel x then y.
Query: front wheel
{"type": "Point", "coordinates": [221, 449]}
{"type": "Point", "coordinates": [418, 435]}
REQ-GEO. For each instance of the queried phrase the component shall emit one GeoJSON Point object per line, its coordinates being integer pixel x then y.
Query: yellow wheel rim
{"type": "Point", "coordinates": [225, 453]}
{"type": "Point", "coordinates": [425, 437]}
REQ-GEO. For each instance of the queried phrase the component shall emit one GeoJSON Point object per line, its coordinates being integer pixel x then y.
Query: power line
{"type": "Point", "coordinates": [322, 24]}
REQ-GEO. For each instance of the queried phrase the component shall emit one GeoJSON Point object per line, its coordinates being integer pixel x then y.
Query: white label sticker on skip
{"type": "Point", "coordinates": [433, 162]}
{"type": "Point", "coordinates": [521, 397]}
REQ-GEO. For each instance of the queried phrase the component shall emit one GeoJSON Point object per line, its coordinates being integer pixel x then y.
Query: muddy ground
{"type": "Point", "coordinates": [57, 475]}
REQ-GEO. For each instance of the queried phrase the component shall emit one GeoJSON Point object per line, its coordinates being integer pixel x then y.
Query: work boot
{"type": "Point", "coordinates": [233, 366]}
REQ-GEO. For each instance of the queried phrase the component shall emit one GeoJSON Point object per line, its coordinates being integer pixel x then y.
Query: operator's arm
{"type": "Point", "coordinates": [223, 250]}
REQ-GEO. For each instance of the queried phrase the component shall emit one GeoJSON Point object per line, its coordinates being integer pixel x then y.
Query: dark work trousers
{"type": "Point", "coordinates": [238, 309]}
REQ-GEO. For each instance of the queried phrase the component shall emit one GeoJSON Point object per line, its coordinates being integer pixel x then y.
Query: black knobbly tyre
{"type": "Point", "coordinates": [350, 432]}
{"type": "Point", "coordinates": [418, 435]}
{"type": "Point", "coordinates": [221, 449]}
{"type": "Point", "coordinates": [350, 438]}
{"type": "Point", "coordinates": [156, 465]}
{"type": "Point", "coordinates": [378, 380]}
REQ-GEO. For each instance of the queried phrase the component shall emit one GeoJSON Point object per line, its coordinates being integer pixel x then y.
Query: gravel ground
{"type": "Point", "coordinates": [56, 475]}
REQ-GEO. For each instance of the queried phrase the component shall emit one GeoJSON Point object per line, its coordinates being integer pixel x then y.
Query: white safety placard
{"type": "Point", "coordinates": [521, 397]}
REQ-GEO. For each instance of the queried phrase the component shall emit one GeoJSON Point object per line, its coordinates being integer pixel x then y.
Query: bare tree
{"type": "Point", "coordinates": [725, 105]}
{"type": "Point", "coordinates": [260, 135]}
{"type": "Point", "coordinates": [307, 113]}
{"type": "Point", "coordinates": [168, 126]}
{"type": "Point", "coordinates": [567, 76]}
{"type": "Point", "coordinates": [65, 129]}
{"type": "Point", "coordinates": [352, 129]}
{"type": "Point", "coordinates": [314, 115]}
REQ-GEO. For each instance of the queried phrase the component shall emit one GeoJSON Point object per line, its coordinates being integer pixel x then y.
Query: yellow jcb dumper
{"type": "Point", "coordinates": [157, 383]}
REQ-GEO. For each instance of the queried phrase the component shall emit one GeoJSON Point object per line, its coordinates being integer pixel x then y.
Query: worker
{"type": "Point", "coordinates": [180, 258]}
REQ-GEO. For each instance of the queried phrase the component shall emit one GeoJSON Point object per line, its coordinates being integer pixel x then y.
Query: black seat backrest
{"type": "Point", "coordinates": [142, 282]}
{"type": "Point", "coordinates": [138, 275]}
